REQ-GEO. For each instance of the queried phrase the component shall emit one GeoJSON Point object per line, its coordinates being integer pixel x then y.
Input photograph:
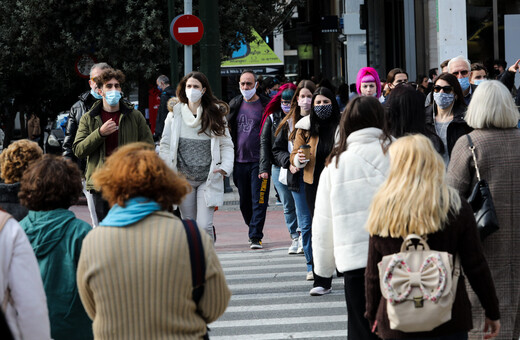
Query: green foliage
{"type": "Point", "coordinates": [40, 40]}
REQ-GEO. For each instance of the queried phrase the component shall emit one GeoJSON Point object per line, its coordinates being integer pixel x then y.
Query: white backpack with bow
{"type": "Point", "coordinates": [419, 286]}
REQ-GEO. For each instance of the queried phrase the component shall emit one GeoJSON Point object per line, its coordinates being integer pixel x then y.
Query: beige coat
{"type": "Point", "coordinates": [498, 158]}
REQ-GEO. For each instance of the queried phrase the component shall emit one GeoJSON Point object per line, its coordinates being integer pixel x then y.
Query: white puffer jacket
{"type": "Point", "coordinates": [26, 313]}
{"type": "Point", "coordinates": [222, 154]}
{"type": "Point", "coordinates": [339, 238]}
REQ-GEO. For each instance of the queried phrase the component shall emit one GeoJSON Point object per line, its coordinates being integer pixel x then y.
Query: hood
{"type": "Point", "coordinates": [9, 192]}
{"type": "Point", "coordinates": [45, 229]}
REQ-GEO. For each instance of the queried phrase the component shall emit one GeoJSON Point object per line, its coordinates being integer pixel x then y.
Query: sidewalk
{"type": "Point", "coordinates": [232, 232]}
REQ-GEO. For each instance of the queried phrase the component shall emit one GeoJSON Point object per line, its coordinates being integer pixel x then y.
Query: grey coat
{"type": "Point", "coordinates": [498, 158]}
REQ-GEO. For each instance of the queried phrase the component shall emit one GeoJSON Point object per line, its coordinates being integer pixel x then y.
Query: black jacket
{"type": "Point", "coordinates": [85, 102]}
{"type": "Point", "coordinates": [234, 106]}
{"type": "Point", "coordinates": [163, 111]}
{"type": "Point", "coordinates": [9, 201]}
{"type": "Point", "coordinates": [283, 158]}
{"type": "Point", "coordinates": [267, 141]}
{"type": "Point", "coordinates": [457, 127]}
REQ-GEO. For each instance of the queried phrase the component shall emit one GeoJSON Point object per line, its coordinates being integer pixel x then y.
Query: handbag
{"type": "Point", "coordinates": [419, 286]}
{"type": "Point", "coordinates": [481, 202]}
{"type": "Point", "coordinates": [282, 178]}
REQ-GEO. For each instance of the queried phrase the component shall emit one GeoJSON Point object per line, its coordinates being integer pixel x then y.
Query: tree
{"type": "Point", "coordinates": [40, 40]}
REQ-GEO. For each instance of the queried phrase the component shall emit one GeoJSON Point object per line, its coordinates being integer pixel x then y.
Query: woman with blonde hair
{"type": "Point", "coordinates": [416, 199]}
{"type": "Point", "coordinates": [196, 143]}
{"type": "Point", "coordinates": [496, 139]}
{"type": "Point", "coordinates": [13, 162]}
{"type": "Point", "coordinates": [134, 273]}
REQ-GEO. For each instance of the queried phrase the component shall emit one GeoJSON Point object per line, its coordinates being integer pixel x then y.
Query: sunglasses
{"type": "Point", "coordinates": [462, 73]}
{"type": "Point", "coordinates": [446, 89]}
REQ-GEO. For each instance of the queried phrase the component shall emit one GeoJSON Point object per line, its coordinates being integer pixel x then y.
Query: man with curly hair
{"type": "Point", "coordinates": [110, 123]}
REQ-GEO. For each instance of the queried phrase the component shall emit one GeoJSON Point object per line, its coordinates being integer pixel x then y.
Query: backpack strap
{"type": "Point", "coordinates": [198, 264]}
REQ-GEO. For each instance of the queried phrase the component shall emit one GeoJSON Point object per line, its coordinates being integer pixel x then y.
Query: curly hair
{"type": "Point", "coordinates": [16, 158]}
{"type": "Point", "coordinates": [135, 170]}
{"type": "Point", "coordinates": [109, 74]}
{"type": "Point", "coordinates": [50, 183]}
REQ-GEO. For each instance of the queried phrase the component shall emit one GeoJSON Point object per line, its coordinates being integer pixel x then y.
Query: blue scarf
{"type": "Point", "coordinates": [135, 210]}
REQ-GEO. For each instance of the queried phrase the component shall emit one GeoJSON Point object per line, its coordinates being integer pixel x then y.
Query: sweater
{"type": "Point", "coordinates": [56, 237]}
{"type": "Point", "coordinates": [135, 281]}
{"type": "Point", "coordinates": [459, 238]}
{"type": "Point", "coordinates": [342, 202]}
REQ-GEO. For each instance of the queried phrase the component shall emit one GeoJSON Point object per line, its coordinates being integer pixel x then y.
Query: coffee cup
{"type": "Point", "coordinates": [306, 149]}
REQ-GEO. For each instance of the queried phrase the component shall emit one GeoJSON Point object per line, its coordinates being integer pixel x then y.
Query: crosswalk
{"type": "Point", "coordinates": [271, 300]}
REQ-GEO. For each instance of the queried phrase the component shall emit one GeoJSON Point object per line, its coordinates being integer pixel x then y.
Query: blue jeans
{"type": "Point", "coordinates": [304, 220]}
{"type": "Point", "coordinates": [254, 197]}
{"type": "Point", "coordinates": [289, 210]}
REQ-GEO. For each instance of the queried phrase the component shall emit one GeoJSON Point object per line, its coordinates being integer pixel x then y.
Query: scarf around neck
{"type": "Point", "coordinates": [135, 209]}
{"type": "Point", "coordinates": [188, 118]}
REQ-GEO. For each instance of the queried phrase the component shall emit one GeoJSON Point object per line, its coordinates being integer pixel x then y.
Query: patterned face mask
{"type": "Point", "coordinates": [323, 111]}
{"type": "Point", "coordinates": [443, 100]}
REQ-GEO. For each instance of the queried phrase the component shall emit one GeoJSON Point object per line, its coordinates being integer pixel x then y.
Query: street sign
{"type": "Point", "coordinates": [83, 64]}
{"type": "Point", "coordinates": [186, 29]}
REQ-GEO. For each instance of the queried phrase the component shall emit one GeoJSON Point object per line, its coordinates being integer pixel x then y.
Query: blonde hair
{"type": "Point", "coordinates": [16, 159]}
{"type": "Point", "coordinates": [492, 106]}
{"type": "Point", "coordinates": [415, 197]}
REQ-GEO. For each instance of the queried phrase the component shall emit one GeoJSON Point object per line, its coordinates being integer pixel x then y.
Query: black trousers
{"type": "Point", "coordinates": [100, 205]}
{"type": "Point", "coordinates": [358, 326]}
{"type": "Point", "coordinates": [310, 196]}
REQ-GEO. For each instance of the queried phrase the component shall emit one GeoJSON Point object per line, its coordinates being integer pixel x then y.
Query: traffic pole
{"type": "Point", "coordinates": [210, 45]}
{"type": "Point", "coordinates": [174, 60]}
{"type": "Point", "coordinates": [188, 49]}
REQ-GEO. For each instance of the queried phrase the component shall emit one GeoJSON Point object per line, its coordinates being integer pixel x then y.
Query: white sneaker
{"type": "Point", "coordinates": [310, 276]}
{"type": "Point", "coordinates": [293, 249]}
{"type": "Point", "coordinates": [319, 291]}
{"type": "Point", "coordinates": [300, 245]}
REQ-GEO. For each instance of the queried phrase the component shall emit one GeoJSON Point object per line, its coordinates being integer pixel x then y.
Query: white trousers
{"type": "Point", "coordinates": [91, 207]}
{"type": "Point", "coordinates": [194, 207]}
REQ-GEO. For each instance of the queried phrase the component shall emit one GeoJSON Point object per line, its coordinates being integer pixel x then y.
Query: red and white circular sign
{"type": "Point", "coordinates": [83, 64]}
{"type": "Point", "coordinates": [186, 29]}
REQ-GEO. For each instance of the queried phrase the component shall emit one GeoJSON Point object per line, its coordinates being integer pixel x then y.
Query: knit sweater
{"type": "Point", "coordinates": [458, 237]}
{"type": "Point", "coordinates": [135, 281]}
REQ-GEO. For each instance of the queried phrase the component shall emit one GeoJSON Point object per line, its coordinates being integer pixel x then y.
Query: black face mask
{"type": "Point", "coordinates": [497, 72]}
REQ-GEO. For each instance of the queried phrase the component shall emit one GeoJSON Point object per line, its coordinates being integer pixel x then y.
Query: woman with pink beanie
{"type": "Point", "coordinates": [368, 83]}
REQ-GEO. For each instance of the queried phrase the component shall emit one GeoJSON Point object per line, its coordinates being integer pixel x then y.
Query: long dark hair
{"type": "Point", "coordinates": [295, 112]}
{"type": "Point", "coordinates": [405, 111]}
{"type": "Point", "coordinates": [362, 112]}
{"type": "Point", "coordinates": [213, 109]}
{"type": "Point", "coordinates": [333, 120]}
{"type": "Point", "coordinates": [454, 82]}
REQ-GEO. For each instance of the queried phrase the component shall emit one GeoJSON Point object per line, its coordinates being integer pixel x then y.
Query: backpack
{"type": "Point", "coordinates": [419, 286]}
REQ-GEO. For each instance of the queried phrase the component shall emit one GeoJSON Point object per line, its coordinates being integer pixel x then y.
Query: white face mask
{"type": "Point", "coordinates": [193, 95]}
{"type": "Point", "coordinates": [248, 94]}
{"type": "Point", "coordinates": [305, 104]}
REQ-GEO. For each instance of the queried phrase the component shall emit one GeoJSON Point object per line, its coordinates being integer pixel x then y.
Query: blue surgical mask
{"type": "Point", "coordinates": [443, 100]}
{"type": "Point", "coordinates": [112, 97]}
{"type": "Point", "coordinates": [478, 81]}
{"type": "Point", "coordinates": [159, 88]}
{"type": "Point", "coordinates": [272, 93]}
{"type": "Point", "coordinates": [323, 111]}
{"type": "Point", "coordinates": [95, 94]}
{"type": "Point", "coordinates": [285, 107]}
{"type": "Point", "coordinates": [464, 83]}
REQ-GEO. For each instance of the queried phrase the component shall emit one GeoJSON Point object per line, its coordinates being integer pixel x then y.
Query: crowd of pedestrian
{"type": "Point", "coordinates": [355, 174]}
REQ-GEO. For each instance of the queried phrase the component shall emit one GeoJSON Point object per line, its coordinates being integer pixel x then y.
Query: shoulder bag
{"type": "Point", "coordinates": [481, 202]}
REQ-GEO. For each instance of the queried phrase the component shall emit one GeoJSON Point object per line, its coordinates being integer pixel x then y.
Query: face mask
{"type": "Point", "coordinates": [464, 83]}
{"type": "Point", "coordinates": [112, 97]}
{"type": "Point", "coordinates": [478, 81]}
{"type": "Point", "coordinates": [323, 111]}
{"type": "Point", "coordinates": [248, 94]}
{"type": "Point", "coordinates": [272, 93]}
{"type": "Point", "coordinates": [443, 100]}
{"type": "Point", "coordinates": [95, 94]}
{"type": "Point", "coordinates": [193, 95]}
{"type": "Point", "coordinates": [305, 103]}
{"type": "Point", "coordinates": [159, 88]}
{"type": "Point", "coordinates": [285, 107]}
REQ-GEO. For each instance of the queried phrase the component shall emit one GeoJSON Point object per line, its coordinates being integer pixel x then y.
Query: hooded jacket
{"type": "Point", "coordinates": [56, 237]}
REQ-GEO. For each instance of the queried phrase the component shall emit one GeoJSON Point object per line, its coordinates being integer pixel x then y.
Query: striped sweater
{"type": "Point", "coordinates": [135, 282]}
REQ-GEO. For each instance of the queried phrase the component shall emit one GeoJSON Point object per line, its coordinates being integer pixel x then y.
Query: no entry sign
{"type": "Point", "coordinates": [186, 29]}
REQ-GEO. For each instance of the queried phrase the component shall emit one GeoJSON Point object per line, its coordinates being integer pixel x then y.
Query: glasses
{"type": "Point", "coordinates": [445, 89]}
{"type": "Point", "coordinates": [286, 102]}
{"type": "Point", "coordinates": [462, 73]}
